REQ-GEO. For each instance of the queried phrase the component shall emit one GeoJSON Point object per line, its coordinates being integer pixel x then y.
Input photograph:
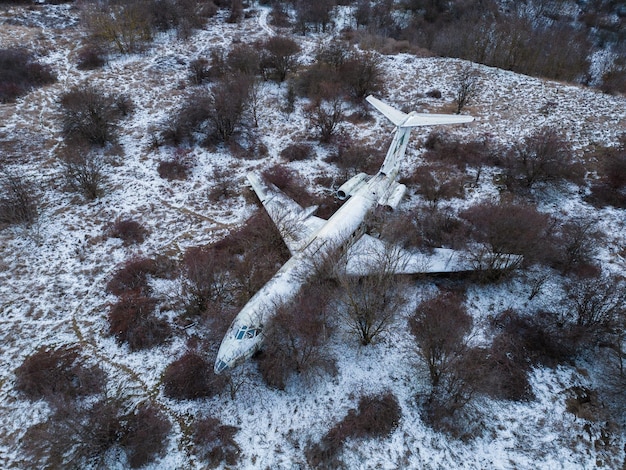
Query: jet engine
{"type": "Point", "coordinates": [393, 197]}
{"type": "Point", "coordinates": [351, 186]}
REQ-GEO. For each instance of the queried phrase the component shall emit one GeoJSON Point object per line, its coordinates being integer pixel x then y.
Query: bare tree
{"type": "Point", "coordinates": [370, 303]}
{"type": "Point", "coordinates": [326, 113]}
{"type": "Point", "coordinates": [466, 88]}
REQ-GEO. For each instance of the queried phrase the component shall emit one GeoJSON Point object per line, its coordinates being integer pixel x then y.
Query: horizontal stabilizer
{"type": "Point", "coordinates": [400, 119]}
{"type": "Point", "coordinates": [396, 116]}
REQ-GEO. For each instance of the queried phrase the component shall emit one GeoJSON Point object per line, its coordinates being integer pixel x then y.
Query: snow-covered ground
{"type": "Point", "coordinates": [52, 276]}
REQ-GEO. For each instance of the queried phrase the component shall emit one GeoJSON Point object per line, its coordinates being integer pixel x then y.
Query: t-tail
{"type": "Point", "coordinates": [404, 123]}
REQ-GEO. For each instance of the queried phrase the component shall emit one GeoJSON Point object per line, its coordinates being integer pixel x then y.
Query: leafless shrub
{"type": "Point", "coordinates": [90, 116]}
{"type": "Point", "coordinates": [297, 152]}
{"type": "Point", "coordinates": [78, 435]}
{"type": "Point", "coordinates": [18, 201]}
{"type": "Point", "coordinates": [215, 442]}
{"type": "Point", "coordinates": [595, 305]}
{"type": "Point", "coordinates": [19, 73]}
{"type": "Point", "coordinates": [84, 170]}
{"type": "Point", "coordinates": [361, 74]}
{"type": "Point", "coordinates": [90, 57]}
{"type": "Point", "coordinates": [132, 277]}
{"type": "Point", "coordinates": [544, 156]}
{"type": "Point", "coordinates": [128, 230]}
{"type": "Point", "coordinates": [296, 337]}
{"type": "Point", "coordinates": [279, 57]}
{"type": "Point", "coordinates": [243, 59]}
{"type": "Point", "coordinates": [178, 168]}
{"type": "Point", "coordinates": [214, 116]}
{"type": "Point", "coordinates": [57, 373]}
{"type": "Point", "coordinates": [126, 27]}
{"type": "Point", "coordinates": [436, 227]}
{"type": "Point", "coordinates": [289, 182]}
{"type": "Point", "coordinates": [132, 320]}
{"type": "Point", "coordinates": [442, 148]}
{"type": "Point", "coordinates": [190, 377]}
{"type": "Point", "coordinates": [610, 189]}
{"type": "Point", "coordinates": [440, 327]}
{"type": "Point", "coordinates": [199, 71]}
{"type": "Point", "coordinates": [74, 436]}
{"type": "Point", "coordinates": [505, 230]}
{"type": "Point", "coordinates": [326, 113]}
{"type": "Point", "coordinates": [376, 417]}
{"type": "Point", "coordinates": [205, 278]}
{"type": "Point", "coordinates": [145, 435]}
{"type": "Point", "coordinates": [576, 242]}
{"type": "Point", "coordinates": [436, 184]}
{"type": "Point", "coordinates": [354, 156]}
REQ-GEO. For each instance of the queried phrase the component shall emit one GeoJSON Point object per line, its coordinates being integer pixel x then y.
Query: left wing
{"type": "Point", "coordinates": [295, 223]}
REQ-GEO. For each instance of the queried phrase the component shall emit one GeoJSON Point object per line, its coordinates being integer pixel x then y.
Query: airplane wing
{"type": "Point", "coordinates": [295, 223]}
{"type": "Point", "coordinates": [369, 255]}
{"type": "Point", "coordinates": [396, 116]}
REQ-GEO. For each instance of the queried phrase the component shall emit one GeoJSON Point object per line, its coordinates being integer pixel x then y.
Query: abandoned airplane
{"type": "Point", "coordinates": [310, 238]}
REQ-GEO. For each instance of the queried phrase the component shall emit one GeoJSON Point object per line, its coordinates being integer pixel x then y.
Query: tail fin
{"type": "Point", "coordinates": [404, 123]}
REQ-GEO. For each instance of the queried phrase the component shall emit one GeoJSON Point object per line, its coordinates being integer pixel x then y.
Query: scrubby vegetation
{"type": "Point", "coordinates": [20, 73]}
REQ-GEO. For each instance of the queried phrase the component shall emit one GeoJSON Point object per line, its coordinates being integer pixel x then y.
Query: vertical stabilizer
{"type": "Point", "coordinates": [404, 123]}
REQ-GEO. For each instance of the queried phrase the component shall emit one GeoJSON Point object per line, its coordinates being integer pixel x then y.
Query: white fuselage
{"type": "Point", "coordinates": [245, 335]}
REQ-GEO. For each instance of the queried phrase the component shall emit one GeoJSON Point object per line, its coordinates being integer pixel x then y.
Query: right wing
{"type": "Point", "coordinates": [370, 255]}
{"type": "Point", "coordinates": [295, 223]}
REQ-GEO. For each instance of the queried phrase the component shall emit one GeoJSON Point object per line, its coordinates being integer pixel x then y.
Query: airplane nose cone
{"type": "Point", "coordinates": [220, 366]}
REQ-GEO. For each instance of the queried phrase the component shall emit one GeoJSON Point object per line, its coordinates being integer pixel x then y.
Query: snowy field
{"type": "Point", "coordinates": [53, 275]}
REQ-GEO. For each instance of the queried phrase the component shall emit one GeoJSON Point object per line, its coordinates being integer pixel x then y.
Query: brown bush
{"type": "Point", "coordinates": [205, 278]}
{"type": "Point", "coordinates": [297, 152]}
{"type": "Point", "coordinates": [326, 113]}
{"type": "Point", "coordinates": [443, 148]}
{"type": "Point", "coordinates": [376, 417]}
{"type": "Point", "coordinates": [436, 183]}
{"type": "Point", "coordinates": [57, 373]}
{"type": "Point", "coordinates": [436, 227]}
{"type": "Point", "coordinates": [440, 326]}
{"type": "Point", "coordinates": [90, 115]}
{"type": "Point", "coordinates": [80, 435]}
{"type": "Point", "coordinates": [544, 156]}
{"type": "Point", "coordinates": [178, 168]}
{"type": "Point", "coordinates": [74, 436]}
{"type": "Point", "coordinates": [576, 243]}
{"type": "Point", "coordinates": [90, 57]}
{"type": "Point", "coordinates": [19, 73]}
{"type": "Point", "coordinates": [610, 189]}
{"type": "Point", "coordinates": [290, 182]}
{"type": "Point", "coordinates": [18, 201]}
{"type": "Point", "coordinates": [280, 57]}
{"type": "Point", "coordinates": [190, 377]}
{"type": "Point", "coordinates": [353, 156]}
{"type": "Point", "coordinates": [132, 277]}
{"type": "Point", "coordinates": [128, 230]}
{"type": "Point", "coordinates": [504, 229]}
{"type": "Point", "coordinates": [215, 442]}
{"type": "Point", "coordinates": [362, 74]}
{"type": "Point", "coordinates": [132, 320]}
{"type": "Point", "coordinates": [145, 436]}
{"type": "Point", "coordinates": [296, 337]}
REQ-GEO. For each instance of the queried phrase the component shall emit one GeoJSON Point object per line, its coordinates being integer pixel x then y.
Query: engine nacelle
{"type": "Point", "coordinates": [393, 197]}
{"type": "Point", "coordinates": [351, 186]}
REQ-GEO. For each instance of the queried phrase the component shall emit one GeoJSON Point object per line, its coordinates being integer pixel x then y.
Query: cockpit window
{"type": "Point", "coordinates": [248, 332]}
